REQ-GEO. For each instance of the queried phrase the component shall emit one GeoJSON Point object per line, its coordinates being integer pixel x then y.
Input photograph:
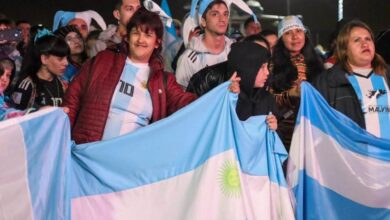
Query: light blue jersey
{"type": "Point", "coordinates": [131, 105]}
{"type": "Point", "coordinates": [373, 94]}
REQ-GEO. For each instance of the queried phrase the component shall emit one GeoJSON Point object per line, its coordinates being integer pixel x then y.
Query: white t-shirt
{"type": "Point", "coordinates": [131, 105]}
{"type": "Point", "coordinates": [373, 94]}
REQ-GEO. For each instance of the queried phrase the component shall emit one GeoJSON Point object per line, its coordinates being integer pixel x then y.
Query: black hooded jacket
{"type": "Point", "coordinates": [246, 58]}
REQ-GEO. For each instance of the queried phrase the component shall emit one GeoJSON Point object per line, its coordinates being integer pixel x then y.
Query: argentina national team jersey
{"type": "Point", "coordinates": [131, 105]}
{"type": "Point", "coordinates": [373, 94]}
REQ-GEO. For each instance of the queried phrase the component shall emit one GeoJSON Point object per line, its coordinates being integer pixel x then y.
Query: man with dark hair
{"type": "Point", "coordinates": [25, 27]}
{"type": "Point", "coordinates": [251, 26]}
{"type": "Point", "coordinates": [123, 11]}
{"type": "Point", "coordinates": [209, 48]}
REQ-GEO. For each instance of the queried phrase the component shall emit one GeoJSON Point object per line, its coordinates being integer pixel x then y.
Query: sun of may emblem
{"type": "Point", "coordinates": [229, 179]}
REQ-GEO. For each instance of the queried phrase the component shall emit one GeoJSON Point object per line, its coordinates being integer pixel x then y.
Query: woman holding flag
{"type": "Point", "coordinates": [125, 88]}
{"type": "Point", "coordinates": [358, 85]}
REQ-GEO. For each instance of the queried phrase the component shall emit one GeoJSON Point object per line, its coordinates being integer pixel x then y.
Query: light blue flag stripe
{"type": "Point", "coordinates": [259, 160]}
{"type": "Point", "coordinates": [316, 201]}
{"type": "Point", "coordinates": [322, 203]}
{"type": "Point", "coordinates": [167, 10]}
{"type": "Point", "coordinates": [47, 140]}
{"type": "Point", "coordinates": [144, 153]}
{"type": "Point", "coordinates": [345, 131]}
{"type": "Point", "coordinates": [169, 148]}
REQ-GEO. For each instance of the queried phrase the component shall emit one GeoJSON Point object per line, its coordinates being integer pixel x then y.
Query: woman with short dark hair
{"type": "Point", "coordinates": [124, 87]}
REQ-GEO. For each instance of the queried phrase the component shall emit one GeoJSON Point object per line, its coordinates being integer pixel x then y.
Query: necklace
{"type": "Point", "coordinates": [51, 94]}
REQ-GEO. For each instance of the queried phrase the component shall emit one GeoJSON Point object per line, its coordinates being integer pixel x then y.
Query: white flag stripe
{"type": "Point", "coordinates": [362, 179]}
{"type": "Point", "coordinates": [193, 195]}
{"type": "Point", "coordinates": [15, 200]}
{"type": "Point", "coordinates": [267, 199]}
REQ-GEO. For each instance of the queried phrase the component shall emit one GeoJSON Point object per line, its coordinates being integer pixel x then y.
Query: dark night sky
{"type": "Point", "coordinates": [319, 15]}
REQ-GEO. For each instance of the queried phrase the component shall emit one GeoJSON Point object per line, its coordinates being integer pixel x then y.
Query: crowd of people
{"type": "Point", "coordinates": [112, 80]}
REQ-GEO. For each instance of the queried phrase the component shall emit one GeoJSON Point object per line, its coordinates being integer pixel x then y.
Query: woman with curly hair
{"type": "Point", "coordinates": [294, 60]}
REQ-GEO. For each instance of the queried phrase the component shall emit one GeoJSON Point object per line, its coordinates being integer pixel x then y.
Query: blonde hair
{"type": "Point", "coordinates": [378, 64]}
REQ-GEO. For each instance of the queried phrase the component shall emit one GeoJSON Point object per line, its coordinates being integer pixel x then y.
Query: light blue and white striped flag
{"type": "Point", "coordinates": [336, 169]}
{"type": "Point", "coordinates": [200, 163]}
{"type": "Point", "coordinates": [34, 166]}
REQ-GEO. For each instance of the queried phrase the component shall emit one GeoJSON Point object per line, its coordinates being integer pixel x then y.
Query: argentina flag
{"type": "Point", "coordinates": [200, 163]}
{"type": "Point", "coordinates": [336, 169]}
{"type": "Point", "coordinates": [34, 166]}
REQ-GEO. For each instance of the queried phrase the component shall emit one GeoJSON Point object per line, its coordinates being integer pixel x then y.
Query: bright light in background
{"type": "Point", "coordinates": [341, 9]}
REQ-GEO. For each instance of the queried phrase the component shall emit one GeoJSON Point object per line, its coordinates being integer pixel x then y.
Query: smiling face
{"type": "Point", "coordinates": [294, 40]}
{"type": "Point", "coordinates": [361, 49]}
{"type": "Point", "coordinates": [142, 44]}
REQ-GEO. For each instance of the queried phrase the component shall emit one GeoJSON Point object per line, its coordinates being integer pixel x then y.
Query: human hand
{"type": "Point", "coordinates": [235, 83]}
{"type": "Point", "coordinates": [65, 109]}
{"type": "Point", "coordinates": [272, 122]}
{"type": "Point", "coordinates": [193, 33]}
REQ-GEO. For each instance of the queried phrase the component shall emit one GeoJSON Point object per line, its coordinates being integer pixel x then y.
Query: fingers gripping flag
{"type": "Point", "coordinates": [336, 169]}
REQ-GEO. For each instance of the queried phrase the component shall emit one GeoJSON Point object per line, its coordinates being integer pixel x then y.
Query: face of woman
{"type": "Point", "coordinates": [142, 44]}
{"type": "Point", "coordinates": [54, 64]}
{"type": "Point", "coordinates": [294, 40]}
{"type": "Point", "coordinates": [262, 76]}
{"type": "Point", "coordinates": [75, 43]}
{"type": "Point", "coordinates": [361, 49]}
{"type": "Point", "coordinates": [5, 79]}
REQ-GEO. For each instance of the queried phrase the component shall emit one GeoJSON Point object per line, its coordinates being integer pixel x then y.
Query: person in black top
{"type": "Point", "coordinates": [45, 63]}
{"type": "Point", "coordinates": [250, 61]}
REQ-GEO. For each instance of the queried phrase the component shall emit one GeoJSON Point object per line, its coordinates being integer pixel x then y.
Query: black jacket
{"type": "Point", "coordinates": [339, 93]}
{"type": "Point", "coordinates": [208, 78]}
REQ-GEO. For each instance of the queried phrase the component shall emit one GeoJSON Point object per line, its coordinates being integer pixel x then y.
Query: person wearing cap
{"type": "Point", "coordinates": [81, 20]}
{"type": "Point", "coordinates": [209, 48]}
{"type": "Point", "coordinates": [77, 55]}
{"type": "Point", "coordinates": [358, 84]}
{"type": "Point", "coordinates": [123, 11]}
{"type": "Point", "coordinates": [294, 60]}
